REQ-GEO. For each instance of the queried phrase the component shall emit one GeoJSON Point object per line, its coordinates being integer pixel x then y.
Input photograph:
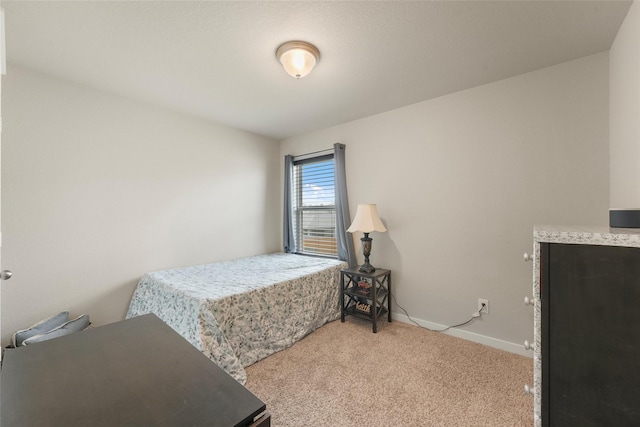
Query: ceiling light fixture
{"type": "Point", "coordinates": [298, 58]}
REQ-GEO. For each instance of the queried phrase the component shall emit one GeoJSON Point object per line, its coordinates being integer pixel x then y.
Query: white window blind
{"type": "Point", "coordinates": [313, 205]}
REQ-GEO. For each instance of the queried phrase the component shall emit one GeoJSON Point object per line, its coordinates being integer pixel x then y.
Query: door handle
{"type": "Point", "coordinates": [5, 274]}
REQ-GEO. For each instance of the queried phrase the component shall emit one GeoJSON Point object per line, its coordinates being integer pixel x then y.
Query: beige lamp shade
{"type": "Point", "coordinates": [367, 220]}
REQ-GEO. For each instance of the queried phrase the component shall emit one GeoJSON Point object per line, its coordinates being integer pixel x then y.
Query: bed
{"type": "Point", "coordinates": [239, 312]}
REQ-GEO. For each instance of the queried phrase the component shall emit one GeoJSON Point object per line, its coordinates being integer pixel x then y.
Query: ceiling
{"type": "Point", "coordinates": [216, 59]}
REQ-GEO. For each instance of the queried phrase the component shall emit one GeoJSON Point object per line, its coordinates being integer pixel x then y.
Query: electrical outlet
{"type": "Point", "coordinates": [485, 309]}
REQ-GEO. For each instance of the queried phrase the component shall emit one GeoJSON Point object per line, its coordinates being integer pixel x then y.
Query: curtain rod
{"type": "Point", "coordinates": [306, 155]}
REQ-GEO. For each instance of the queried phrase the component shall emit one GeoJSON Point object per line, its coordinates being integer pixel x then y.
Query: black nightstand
{"type": "Point", "coordinates": [365, 295]}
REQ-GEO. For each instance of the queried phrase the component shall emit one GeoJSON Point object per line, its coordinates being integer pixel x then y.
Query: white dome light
{"type": "Point", "coordinates": [298, 58]}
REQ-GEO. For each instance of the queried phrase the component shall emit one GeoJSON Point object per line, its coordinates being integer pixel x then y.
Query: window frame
{"type": "Point", "coordinates": [298, 210]}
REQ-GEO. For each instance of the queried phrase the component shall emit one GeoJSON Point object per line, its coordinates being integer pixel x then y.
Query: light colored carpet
{"type": "Point", "coordinates": [344, 375]}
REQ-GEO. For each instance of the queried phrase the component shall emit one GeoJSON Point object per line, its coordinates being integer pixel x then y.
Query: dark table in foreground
{"type": "Point", "coordinates": [138, 372]}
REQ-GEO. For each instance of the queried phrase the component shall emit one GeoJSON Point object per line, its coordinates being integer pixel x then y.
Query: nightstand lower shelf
{"type": "Point", "coordinates": [353, 311]}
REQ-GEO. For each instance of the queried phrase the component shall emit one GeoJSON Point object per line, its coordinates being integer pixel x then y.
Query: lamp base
{"type": "Point", "coordinates": [366, 251]}
{"type": "Point", "coordinates": [366, 268]}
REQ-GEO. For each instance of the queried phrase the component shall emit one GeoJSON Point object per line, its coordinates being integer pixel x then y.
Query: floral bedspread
{"type": "Point", "coordinates": [241, 311]}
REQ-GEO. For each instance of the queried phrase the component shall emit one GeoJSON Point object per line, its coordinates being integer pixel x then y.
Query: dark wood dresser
{"type": "Point", "coordinates": [587, 326]}
{"type": "Point", "coordinates": [138, 372]}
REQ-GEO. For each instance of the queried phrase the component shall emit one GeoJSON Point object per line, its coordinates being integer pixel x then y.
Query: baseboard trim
{"type": "Point", "coordinates": [469, 336]}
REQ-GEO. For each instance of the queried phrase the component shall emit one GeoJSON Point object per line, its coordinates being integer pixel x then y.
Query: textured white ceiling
{"type": "Point", "coordinates": [216, 59]}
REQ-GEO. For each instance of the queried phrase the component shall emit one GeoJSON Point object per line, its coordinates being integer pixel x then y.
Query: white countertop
{"type": "Point", "coordinates": [587, 235]}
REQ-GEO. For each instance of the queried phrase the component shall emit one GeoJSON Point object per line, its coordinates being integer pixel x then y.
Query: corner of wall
{"type": "Point", "coordinates": [624, 109]}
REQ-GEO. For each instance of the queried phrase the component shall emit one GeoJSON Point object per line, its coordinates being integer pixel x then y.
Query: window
{"type": "Point", "coordinates": [313, 206]}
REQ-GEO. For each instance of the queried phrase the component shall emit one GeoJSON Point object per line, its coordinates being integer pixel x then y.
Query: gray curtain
{"type": "Point", "coordinates": [346, 251]}
{"type": "Point", "coordinates": [289, 240]}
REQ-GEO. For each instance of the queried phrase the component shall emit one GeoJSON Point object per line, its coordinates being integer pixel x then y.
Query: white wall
{"type": "Point", "coordinates": [97, 190]}
{"type": "Point", "coordinates": [460, 181]}
{"type": "Point", "coordinates": [624, 119]}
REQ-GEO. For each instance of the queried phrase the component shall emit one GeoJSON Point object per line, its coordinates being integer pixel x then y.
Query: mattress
{"type": "Point", "coordinates": [241, 311]}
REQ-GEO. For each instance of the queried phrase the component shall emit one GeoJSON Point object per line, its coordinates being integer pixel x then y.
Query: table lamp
{"type": "Point", "coordinates": [366, 221]}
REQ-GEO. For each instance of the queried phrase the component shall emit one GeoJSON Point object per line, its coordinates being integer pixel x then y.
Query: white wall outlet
{"type": "Point", "coordinates": [485, 309]}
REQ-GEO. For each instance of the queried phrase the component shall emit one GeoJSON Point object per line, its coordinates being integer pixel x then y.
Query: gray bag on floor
{"type": "Point", "coordinates": [76, 325]}
{"type": "Point", "coordinates": [41, 327]}
{"type": "Point", "coordinates": [52, 327]}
